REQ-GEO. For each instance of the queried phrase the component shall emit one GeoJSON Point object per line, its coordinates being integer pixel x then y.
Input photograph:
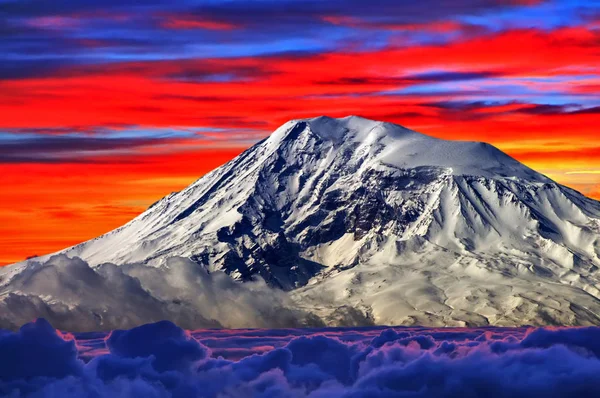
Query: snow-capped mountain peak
{"type": "Point", "coordinates": [396, 146]}
{"type": "Point", "coordinates": [406, 227]}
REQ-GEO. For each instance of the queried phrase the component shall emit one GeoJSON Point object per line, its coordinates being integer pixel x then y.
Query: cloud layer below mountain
{"type": "Point", "coordinates": [162, 360]}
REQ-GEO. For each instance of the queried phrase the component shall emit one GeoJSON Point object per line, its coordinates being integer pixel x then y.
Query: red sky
{"type": "Point", "coordinates": [101, 114]}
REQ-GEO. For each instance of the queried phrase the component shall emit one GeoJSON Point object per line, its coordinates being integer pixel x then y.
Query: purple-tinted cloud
{"type": "Point", "coordinates": [78, 149]}
{"type": "Point", "coordinates": [41, 37]}
{"type": "Point", "coordinates": [450, 76]}
{"type": "Point", "coordinates": [163, 360]}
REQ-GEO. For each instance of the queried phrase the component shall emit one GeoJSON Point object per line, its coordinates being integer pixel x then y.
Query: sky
{"type": "Point", "coordinates": [107, 106]}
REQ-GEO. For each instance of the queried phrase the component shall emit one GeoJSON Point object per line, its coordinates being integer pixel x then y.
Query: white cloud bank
{"type": "Point", "coordinates": [76, 297]}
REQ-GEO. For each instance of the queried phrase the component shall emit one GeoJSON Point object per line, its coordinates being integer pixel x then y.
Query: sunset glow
{"type": "Point", "coordinates": [108, 106]}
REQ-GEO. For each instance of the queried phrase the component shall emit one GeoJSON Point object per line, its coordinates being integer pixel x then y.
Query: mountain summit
{"type": "Point", "coordinates": [402, 227]}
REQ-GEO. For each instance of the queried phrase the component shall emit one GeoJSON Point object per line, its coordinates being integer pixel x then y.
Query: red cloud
{"type": "Point", "coordinates": [260, 94]}
{"type": "Point", "coordinates": [272, 88]}
{"type": "Point", "coordinates": [191, 23]}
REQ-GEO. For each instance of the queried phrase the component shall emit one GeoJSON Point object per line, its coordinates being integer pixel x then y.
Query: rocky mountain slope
{"type": "Point", "coordinates": [398, 226]}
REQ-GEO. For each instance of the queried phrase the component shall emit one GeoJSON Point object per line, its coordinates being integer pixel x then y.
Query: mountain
{"type": "Point", "coordinates": [400, 227]}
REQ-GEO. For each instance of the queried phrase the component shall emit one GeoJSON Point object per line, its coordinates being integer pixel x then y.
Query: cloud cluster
{"type": "Point", "coordinates": [44, 148]}
{"type": "Point", "coordinates": [87, 31]}
{"type": "Point", "coordinates": [76, 297]}
{"type": "Point", "coordinates": [273, 60]}
{"type": "Point", "coordinates": [161, 360]}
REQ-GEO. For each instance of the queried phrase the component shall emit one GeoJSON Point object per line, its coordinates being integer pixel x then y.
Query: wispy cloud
{"type": "Point", "coordinates": [584, 172]}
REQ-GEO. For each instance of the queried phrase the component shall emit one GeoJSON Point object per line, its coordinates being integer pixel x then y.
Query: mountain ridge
{"type": "Point", "coordinates": [344, 211]}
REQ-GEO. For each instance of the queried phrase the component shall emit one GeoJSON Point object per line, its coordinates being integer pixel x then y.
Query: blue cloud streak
{"type": "Point", "coordinates": [43, 37]}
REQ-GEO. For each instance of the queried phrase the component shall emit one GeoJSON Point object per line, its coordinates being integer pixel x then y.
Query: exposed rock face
{"type": "Point", "coordinates": [405, 227]}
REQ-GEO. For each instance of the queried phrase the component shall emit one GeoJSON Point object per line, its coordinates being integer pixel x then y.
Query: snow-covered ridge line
{"type": "Point", "coordinates": [403, 227]}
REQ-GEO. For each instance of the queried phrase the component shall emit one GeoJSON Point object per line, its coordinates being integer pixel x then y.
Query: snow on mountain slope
{"type": "Point", "coordinates": [405, 227]}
